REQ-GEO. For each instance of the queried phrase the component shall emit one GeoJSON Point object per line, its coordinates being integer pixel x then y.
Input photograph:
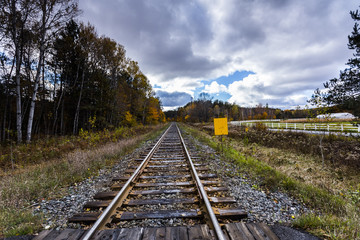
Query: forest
{"type": "Point", "coordinates": [58, 76]}
{"type": "Point", "coordinates": [204, 109]}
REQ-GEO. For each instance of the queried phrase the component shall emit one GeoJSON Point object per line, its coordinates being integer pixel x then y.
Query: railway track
{"type": "Point", "coordinates": [169, 186]}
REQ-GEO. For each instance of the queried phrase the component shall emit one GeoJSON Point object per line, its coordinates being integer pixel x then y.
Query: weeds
{"type": "Point", "coordinates": [47, 179]}
{"type": "Point", "coordinates": [42, 150]}
{"type": "Point", "coordinates": [328, 191]}
{"type": "Point", "coordinates": [336, 150]}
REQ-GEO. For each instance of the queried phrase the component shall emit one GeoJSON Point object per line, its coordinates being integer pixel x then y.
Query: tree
{"type": "Point", "coordinates": [345, 90]}
{"type": "Point", "coordinates": [53, 16]}
{"type": "Point", "coordinates": [15, 17]}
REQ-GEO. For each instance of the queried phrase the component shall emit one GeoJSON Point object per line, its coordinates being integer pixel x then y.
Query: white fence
{"type": "Point", "coordinates": [332, 127]}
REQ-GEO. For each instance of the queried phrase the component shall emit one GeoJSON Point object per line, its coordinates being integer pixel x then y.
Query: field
{"type": "Point", "coordinates": [332, 190]}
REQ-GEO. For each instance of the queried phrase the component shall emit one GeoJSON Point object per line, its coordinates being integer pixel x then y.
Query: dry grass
{"type": "Point", "coordinates": [303, 167]}
{"type": "Point", "coordinates": [49, 179]}
{"type": "Point", "coordinates": [333, 192]}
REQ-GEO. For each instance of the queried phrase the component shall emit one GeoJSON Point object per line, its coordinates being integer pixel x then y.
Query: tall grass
{"type": "Point", "coordinates": [335, 216]}
{"type": "Point", "coordinates": [47, 178]}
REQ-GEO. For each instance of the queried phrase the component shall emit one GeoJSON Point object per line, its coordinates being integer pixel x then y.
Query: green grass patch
{"type": "Point", "coordinates": [329, 226]}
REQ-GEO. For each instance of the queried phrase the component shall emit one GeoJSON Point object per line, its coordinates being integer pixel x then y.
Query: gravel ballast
{"type": "Point", "coordinates": [261, 206]}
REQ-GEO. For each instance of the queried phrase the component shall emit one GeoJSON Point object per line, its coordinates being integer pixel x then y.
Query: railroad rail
{"type": "Point", "coordinates": [171, 185]}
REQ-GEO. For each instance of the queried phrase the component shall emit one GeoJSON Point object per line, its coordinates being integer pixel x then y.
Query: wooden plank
{"type": "Point", "coordinates": [230, 213]}
{"type": "Point", "coordinates": [160, 201]}
{"type": "Point", "coordinates": [42, 235]}
{"type": "Point", "coordinates": [200, 164]}
{"type": "Point", "coordinates": [176, 233]}
{"type": "Point", "coordinates": [70, 234]}
{"type": "Point", "coordinates": [208, 175]}
{"type": "Point", "coordinates": [238, 231]}
{"type": "Point", "coordinates": [167, 161]}
{"type": "Point", "coordinates": [261, 231]}
{"type": "Point", "coordinates": [167, 169]}
{"type": "Point", "coordinates": [175, 165]}
{"type": "Point", "coordinates": [222, 199]}
{"type": "Point", "coordinates": [121, 178]}
{"type": "Point", "coordinates": [158, 184]}
{"type": "Point", "coordinates": [158, 214]}
{"type": "Point", "coordinates": [165, 176]}
{"type": "Point", "coordinates": [105, 195]}
{"type": "Point", "coordinates": [117, 186]}
{"type": "Point", "coordinates": [215, 189]}
{"type": "Point", "coordinates": [172, 169]}
{"type": "Point", "coordinates": [199, 232]}
{"type": "Point", "coordinates": [202, 169]}
{"type": "Point", "coordinates": [168, 158]}
{"type": "Point", "coordinates": [106, 234]}
{"type": "Point", "coordinates": [84, 217]}
{"type": "Point", "coordinates": [162, 191]}
{"type": "Point", "coordinates": [165, 166]}
{"type": "Point", "coordinates": [131, 233]}
{"type": "Point", "coordinates": [155, 233]}
{"type": "Point", "coordinates": [97, 204]}
{"type": "Point", "coordinates": [210, 182]}
{"type": "Point", "coordinates": [49, 235]}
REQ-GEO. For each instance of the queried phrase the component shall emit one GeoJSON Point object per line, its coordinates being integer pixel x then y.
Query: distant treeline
{"type": "Point", "coordinates": [56, 79]}
{"type": "Point", "coordinates": [204, 110]}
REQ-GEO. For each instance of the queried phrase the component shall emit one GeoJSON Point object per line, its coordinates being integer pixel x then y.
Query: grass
{"type": "Point", "coordinates": [17, 157]}
{"type": "Point", "coordinates": [333, 194]}
{"type": "Point", "coordinates": [49, 179]}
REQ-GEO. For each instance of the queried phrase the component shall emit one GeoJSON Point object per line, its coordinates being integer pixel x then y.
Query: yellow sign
{"type": "Point", "coordinates": [220, 126]}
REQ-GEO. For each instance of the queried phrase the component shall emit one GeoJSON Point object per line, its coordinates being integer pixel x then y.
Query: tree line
{"type": "Point", "coordinates": [205, 109]}
{"type": "Point", "coordinates": [58, 76]}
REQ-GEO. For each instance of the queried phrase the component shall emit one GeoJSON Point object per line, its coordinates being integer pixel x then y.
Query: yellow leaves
{"type": "Point", "coordinates": [128, 116]}
{"type": "Point", "coordinates": [92, 121]}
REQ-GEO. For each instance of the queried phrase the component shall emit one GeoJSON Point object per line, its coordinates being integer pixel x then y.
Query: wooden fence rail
{"type": "Point", "coordinates": [328, 127]}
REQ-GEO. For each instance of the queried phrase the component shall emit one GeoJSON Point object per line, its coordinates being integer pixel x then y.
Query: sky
{"type": "Point", "coordinates": [274, 52]}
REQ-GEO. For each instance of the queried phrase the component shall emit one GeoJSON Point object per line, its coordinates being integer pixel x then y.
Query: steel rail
{"type": "Point", "coordinates": [217, 228]}
{"type": "Point", "coordinates": [114, 203]}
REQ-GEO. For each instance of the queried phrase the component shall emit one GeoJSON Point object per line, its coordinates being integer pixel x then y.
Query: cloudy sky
{"type": "Point", "coordinates": [242, 51]}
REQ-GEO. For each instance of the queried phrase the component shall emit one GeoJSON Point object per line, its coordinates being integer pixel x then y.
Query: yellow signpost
{"type": "Point", "coordinates": [220, 129]}
{"type": "Point", "coordinates": [220, 126]}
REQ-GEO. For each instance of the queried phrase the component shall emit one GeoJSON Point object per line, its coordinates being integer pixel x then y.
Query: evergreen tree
{"type": "Point", "coordinates": [345, 90]}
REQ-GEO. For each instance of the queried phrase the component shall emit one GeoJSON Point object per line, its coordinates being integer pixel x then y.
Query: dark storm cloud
{"type": "Point", "coordinates": [159, 34]}
{"type": "Point", "coordinates": [173, 99]}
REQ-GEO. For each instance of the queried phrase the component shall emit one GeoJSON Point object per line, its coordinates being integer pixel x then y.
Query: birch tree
{"type": "Point", "coordinates": [54, 14]}
{"type": "Point", "coordinates": [15, 17]}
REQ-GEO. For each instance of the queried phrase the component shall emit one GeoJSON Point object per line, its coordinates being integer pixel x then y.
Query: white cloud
{"type": "Point", "coordinates": [292, 46]}
{"type": "Point", "coordinates": [214, 87]}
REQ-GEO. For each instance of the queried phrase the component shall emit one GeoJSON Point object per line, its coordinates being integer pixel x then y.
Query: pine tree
{"type": "Point", "coordinates": [345, 90]}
